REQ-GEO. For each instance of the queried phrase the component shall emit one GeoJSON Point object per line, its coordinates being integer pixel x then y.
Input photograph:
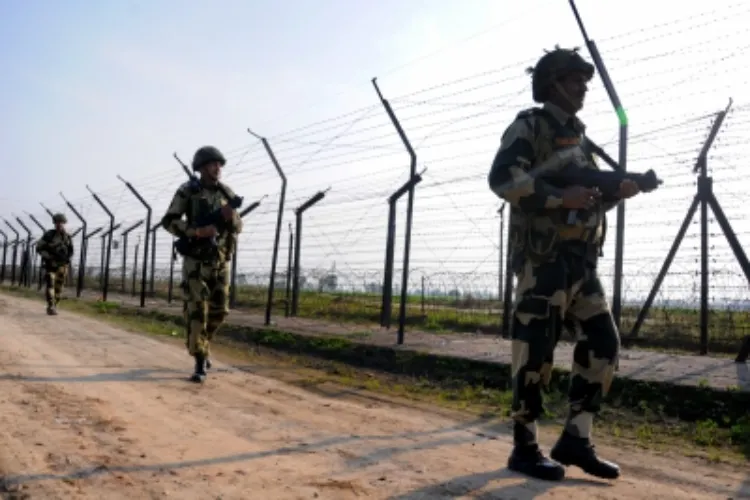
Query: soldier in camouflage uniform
{"type": "Point", "coordinates": [556, 236]}
{"type": "Point", "coordinates": [56, 249]}
{"type": "Point", "coordinates": [205, 269]}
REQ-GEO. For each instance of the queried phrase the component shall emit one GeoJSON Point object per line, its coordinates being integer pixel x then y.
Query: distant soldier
{"type": "Point", "coordinates": [205, 269]}
{"type": "Point", "coordinates": [556, 235]}
{"type": "Point", "coordinates": [56, 248]}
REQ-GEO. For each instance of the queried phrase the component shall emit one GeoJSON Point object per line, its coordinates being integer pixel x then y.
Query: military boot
{"type": "Point", "coordinates": [199, 375]}
{"type": "Point", "coordinates": [572, 450]}
{"type": "Point", "coordinates": [526, 458]}
{"type": "Point", "coordinates": [208, 363]}
{"type": "Point", "coordinates": [51, 310]}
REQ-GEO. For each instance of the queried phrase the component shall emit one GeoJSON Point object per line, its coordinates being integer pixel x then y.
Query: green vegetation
{"type": "Point", "coordinates": [665, 328]}
{"type": "Point", "coordinates": [701, 421]}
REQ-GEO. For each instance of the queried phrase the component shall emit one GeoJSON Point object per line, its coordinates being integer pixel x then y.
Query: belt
{"type": "Point", "coordinates": [568, 233]}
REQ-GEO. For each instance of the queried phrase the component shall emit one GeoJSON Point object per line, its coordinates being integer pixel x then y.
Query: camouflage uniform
{"type": "Point", "coordinates": [205, 268]}
{"type": "Point", "coordinates": [554, 256]}
{"type": "Point", "coordinates": [56, 248]}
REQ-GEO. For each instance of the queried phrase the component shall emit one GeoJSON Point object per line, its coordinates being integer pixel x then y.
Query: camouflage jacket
{"type": "Point", "coordinates": [538, 222]}
{"type": "Point", "coordinates": [194, 203]}
{"type": "Point", "coordinates": [55, 247]}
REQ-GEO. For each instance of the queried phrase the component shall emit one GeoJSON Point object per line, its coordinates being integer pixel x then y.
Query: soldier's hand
{"type": "Point", "coordinates": [628, 189]}
{"type": "Point", "coordinates": [205, 232]}
{"type": "Point", "coordinates": [579, 197]}
{"type": "Point", "coordinates": [227, 212]}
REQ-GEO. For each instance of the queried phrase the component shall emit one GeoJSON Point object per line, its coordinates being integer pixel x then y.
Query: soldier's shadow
{"type": "Point", "coordinates": [471, 484]}
{"type": "Point", "coordinates": [134, 375]}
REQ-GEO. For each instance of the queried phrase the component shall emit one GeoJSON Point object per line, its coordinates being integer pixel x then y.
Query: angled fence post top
{"type": "Point", "coordinates": [111, 230]}
{"type": "Point", "coordinates": [298, 212]}
{"type": "Point", "coordinates": [100, 202]}
{"type": "Point", "coordinates": [413, 181]}
{"type": "Point", "coordinates": [267, 146]}
{"type": "Point", "coordinates": [36, 221]}
{"type": "Point", "coordinates": [701, 165]}
{"type": "Point", "coordinates": [24, 226]}
{"type": "Point", "coordinates": [399, 129]}
{"type": "Point", "coordinates": [134, 191]}
{"type": "Point", "coordinates": [18, 235]}
{"type": "Point", "coordinates": [312, 201]}
{"type": "Point", "coordinates": [47, 209]}
{"type": "Point", "coordinates": [72, 208]}
{"type": "Point", "coordinates": [93, 233]}
{"type": "Point", "coordinates": [603, 74]}
{"type": "Point", "coordinates": [253, 206]}
{"type": "Point", "coordinates": [134, 226]}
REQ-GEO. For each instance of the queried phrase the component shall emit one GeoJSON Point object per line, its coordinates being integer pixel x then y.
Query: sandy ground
{"type": "Point", "coordinates": [91, 411]}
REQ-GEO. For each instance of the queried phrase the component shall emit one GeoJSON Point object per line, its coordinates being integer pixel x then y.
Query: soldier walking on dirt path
{"type": "Point", "coordinates": [556, 236]}
{"type": "Point", "coordinates": [56, 248]}
{"type": "Point", "coordinates": [207, 253]}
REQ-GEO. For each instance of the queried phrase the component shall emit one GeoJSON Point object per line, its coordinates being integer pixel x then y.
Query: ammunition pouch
{"type": "Point", "coordinates": [61, 255]}
{"type": "Point", "coordinates": [544, 245]}
{"type": "Point", "coordinates": [203, 249]}
{"type": "Point", "coordinates": [578, 233]}
{"type": "Point", "coordinates": [58, 258]}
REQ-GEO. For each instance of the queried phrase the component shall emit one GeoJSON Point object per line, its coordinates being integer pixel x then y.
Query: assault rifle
{"type": "Point", "coordinates": [60, 254]}
{"type": "Point", "coordinates": [206, 217]}
{"type": "Point", "coordinates": [564, 169]}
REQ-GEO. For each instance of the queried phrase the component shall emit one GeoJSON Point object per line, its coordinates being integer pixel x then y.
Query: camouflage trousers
{"type": "Point", "coordinates": [563, 293]}
{"type": "Point", "coordinates": [206, 302]}
{"type": "Point", "coordinates": [55, 281]}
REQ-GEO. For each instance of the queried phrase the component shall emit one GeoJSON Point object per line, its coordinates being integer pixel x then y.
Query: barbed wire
{"type": "Point", "coordinates": [455, 127]}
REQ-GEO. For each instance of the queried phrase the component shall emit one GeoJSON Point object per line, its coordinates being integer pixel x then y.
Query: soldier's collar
{"type": "Point", "coordinates": [563, 117]}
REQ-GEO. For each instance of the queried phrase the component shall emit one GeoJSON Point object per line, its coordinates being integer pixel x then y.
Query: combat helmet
{"type": "Point", "coordinates": [59, 217]}
{"type": "Point", "coordinates": [554, 65]}
{"type": "Point", "coordinates": [207, 154]}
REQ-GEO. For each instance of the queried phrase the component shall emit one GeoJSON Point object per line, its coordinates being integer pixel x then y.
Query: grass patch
{"type": "Point", "coordinates": [674, 329]}
{"type": "Point", "coordinates": [697, 421]}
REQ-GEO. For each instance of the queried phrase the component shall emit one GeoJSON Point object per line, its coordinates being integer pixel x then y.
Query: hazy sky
{"type": "Point", "coordinates": [95, 89]}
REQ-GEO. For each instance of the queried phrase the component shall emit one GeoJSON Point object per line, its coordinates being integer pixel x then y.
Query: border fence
{"type": "Point", "coordinates": [676, 281]}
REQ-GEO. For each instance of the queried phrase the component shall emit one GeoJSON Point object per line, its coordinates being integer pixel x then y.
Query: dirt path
{"type": "Point", "coordinates": [90, 411]}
